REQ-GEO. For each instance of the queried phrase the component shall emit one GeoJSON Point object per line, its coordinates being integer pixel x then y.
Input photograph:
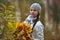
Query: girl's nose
{"type": "Point", "coordinates": [32, 11]}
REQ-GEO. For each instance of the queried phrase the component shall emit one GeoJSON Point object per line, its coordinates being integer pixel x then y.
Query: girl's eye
{"type": "Point", "coordinates": [34, 10]}
{"type": "Point", "coordinates": [31, 9]}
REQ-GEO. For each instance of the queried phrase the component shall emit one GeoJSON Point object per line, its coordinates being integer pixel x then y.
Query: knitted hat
{"type": "Point", "coordinates": [36, 6]}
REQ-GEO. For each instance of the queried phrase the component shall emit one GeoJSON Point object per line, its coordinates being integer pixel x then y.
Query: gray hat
{"type": "Point", "coordinates": [36, 6]}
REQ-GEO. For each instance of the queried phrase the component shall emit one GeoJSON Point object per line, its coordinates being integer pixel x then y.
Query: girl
{"type": "Point", "coordinates": [33, 20]}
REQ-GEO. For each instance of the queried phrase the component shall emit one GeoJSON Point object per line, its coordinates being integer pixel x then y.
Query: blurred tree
{"type": "Point", "coordinates": [53, 20]}
{"type": "Point", "coordinates": [7, 14]}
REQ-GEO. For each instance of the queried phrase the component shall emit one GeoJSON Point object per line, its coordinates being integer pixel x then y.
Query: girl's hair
{"type": "Point", "coordinates": [35, 21]}
{"type": "Point", "coordinates": [37, 17]}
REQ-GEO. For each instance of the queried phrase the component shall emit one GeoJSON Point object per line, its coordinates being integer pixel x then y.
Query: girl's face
{"type": "Point", "coordinates": [33, 12]}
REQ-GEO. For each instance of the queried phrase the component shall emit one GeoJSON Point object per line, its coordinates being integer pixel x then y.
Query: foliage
{"type": "Point", "coordinates": [7, 21]}
{"type": "Point", "coordinates": [23, 31]}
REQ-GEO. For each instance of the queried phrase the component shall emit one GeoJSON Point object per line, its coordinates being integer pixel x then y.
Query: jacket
{"type": "Point", "coordinates": [37, 33]}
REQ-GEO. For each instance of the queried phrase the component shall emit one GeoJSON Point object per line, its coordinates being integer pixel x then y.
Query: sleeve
{"type": "Point", "coordinates": [28, 19]}
{"type": "Point", "coordinates": [39, 32]}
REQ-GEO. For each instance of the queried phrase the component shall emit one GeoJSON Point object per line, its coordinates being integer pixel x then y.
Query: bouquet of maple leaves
{"type": "Point", "coordinates": [23, 31]}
